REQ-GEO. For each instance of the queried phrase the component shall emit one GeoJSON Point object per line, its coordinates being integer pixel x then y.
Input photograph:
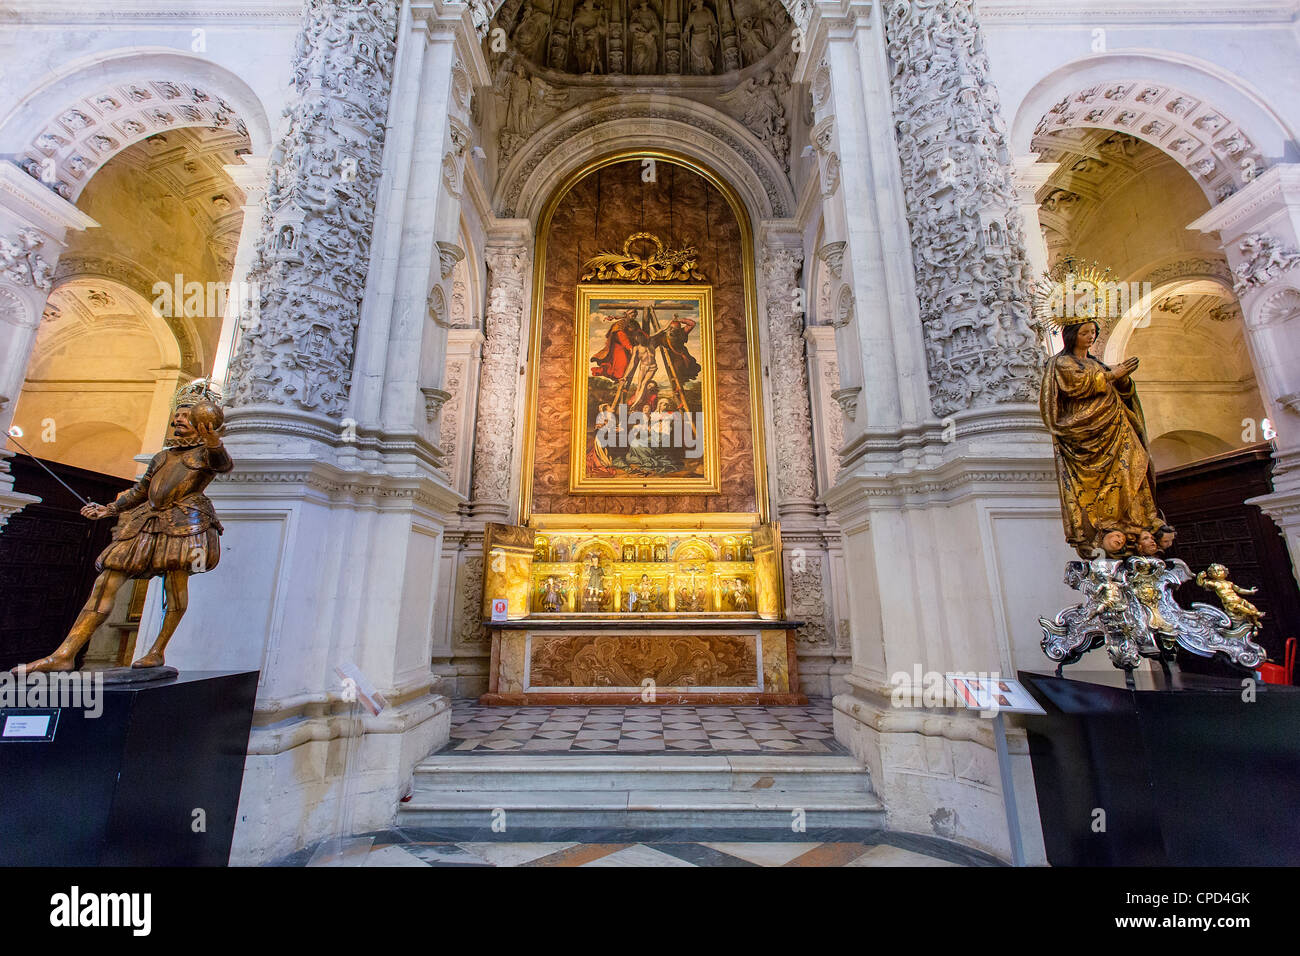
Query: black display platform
{"type": "Point", "coordinates": [1187, 773]}
{"type": "Point", "coordinates": [121, 789]}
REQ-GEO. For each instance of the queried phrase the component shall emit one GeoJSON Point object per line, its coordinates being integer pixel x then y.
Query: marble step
{"type": "Point", "coordinates": [650, 772]}
{"type": "Point", "coordinates": [642, 809]}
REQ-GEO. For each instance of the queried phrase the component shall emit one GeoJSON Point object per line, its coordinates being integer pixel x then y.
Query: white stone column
{"type": "Point", "coordinates": [1030, 176]}
{"type": "Point", "coordinates": [1260, 229]}
{"type": "Point", "coordinates": [496, 445]}
{"type": "Point", "coordinates": [242, 300]}
{"type": "Point", "coordinates": [779, 267]}
{"type": "Point", "coordinates": [827, 413]}
{"type": "Point", "coordinates": [33, 223]}
{"type": "Point", "coordinates": [946, 498]}
{"type": "Point", "coordinates": [336, 510]}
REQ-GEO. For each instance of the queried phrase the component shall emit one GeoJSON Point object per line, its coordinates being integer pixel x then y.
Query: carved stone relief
{"type": "Point", "coordinates": [1265, 258]}
{"type": "Point", "coordinates": [790, 398]}
{"type": "Point", "coordinates": [314, 249]}
{"type": "Point", "coordinates": [21, 261]}
{"type": "Point", "coordinates": [957, 177]}
{"type": "Point", "coordinates": [508, 269]}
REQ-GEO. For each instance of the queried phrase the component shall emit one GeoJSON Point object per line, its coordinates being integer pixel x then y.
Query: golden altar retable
{"type": "Point", "coordinates": [654, 615]}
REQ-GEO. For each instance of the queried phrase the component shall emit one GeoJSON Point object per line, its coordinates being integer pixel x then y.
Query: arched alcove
{"type": "Point", "coordinates": [103, 358]}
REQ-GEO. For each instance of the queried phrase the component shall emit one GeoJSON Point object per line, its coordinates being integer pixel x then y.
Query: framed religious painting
{"type": "Point", "coordinates": [645, 411]}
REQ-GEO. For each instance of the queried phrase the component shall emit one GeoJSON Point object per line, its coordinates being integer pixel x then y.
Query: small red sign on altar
{"type": "Point", "coordinates": [499, 608]}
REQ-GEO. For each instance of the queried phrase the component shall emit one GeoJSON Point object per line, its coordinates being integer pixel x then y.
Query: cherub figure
{"type": "Point", "coordinates": [1215, 578]}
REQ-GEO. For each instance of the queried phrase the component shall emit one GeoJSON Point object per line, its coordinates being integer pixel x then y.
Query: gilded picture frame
{"type": "Point", "coordinates": [645, 410]}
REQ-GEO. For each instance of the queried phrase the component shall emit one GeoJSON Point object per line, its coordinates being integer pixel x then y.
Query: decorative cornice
{"type": "Point", "coordinates": [1278, 186]}
{"type": "Point", "coordinates": [27, 197]}
{"type": "Point", "coordinates": [72, 12]}
{"type": "Point", "coordinates": [1098, 12]}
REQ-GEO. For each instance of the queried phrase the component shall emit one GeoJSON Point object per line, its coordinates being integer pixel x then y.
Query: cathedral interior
{"type": "Point", "coordinates": [617, 383]}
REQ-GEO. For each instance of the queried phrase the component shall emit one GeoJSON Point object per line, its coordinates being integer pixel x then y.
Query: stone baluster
{"type": "Point", "coordinates": [972, 274]}
{"type": "Point", "coordinates": [313, 253]}
{"type": "Point", "coordinates": [792, 424]}
{"type": "Point", "coordinates": [508, 261]}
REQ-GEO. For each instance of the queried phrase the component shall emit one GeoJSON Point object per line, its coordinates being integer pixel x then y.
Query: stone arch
{"type": "Point", "coordinates": [127, 274]}
{"type": "Point", "coordinates": [1214, 124]}
{"type": "Point", "coordinates": [643, 122]}
{"type": "Point", "coordinates": [1121, 333]}
{"type": "Point", "coordinates": [64, 130]}
{"type": "Point", "coordinates": [1183, 446]}
{"type": "Point", "coordinates": [164, 335]}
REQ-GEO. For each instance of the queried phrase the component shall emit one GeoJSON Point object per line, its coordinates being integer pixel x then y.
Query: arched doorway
{"type": "Point", "coordinates": [1123, 194]}
{"type": "Point", "coordinates": [138, 298]}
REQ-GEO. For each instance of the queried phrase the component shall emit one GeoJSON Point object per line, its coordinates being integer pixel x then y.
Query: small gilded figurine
{"type": "Point", "coordinates": [165, 526]}
{"type": "Point", "coordinates": [1215, 578]}
{"type": "Point", "coordinates": [552, 595]}
{"type": "Point", "coordinates": [740, 595]}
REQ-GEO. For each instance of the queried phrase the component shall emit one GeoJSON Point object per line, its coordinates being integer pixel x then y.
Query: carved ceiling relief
{"type": "Point", "coordinates": [1196, 133]}
{"type": "Point", "coordinates": [553, 55]}
{"type": "Point", "coordinates": [79, 140]}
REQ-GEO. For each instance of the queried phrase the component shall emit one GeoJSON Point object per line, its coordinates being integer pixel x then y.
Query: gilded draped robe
{"type": "Point", "coordinates": [1103, 468]}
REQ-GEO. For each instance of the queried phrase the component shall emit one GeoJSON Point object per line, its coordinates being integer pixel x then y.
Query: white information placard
{"type": "Point", "coordinates": [27, 725]}
{"type": "Point", "coordinates": [993, 693]}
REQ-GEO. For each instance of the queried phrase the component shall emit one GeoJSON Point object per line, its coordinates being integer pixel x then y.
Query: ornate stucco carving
{"type": "Point", "coordinates": [808, 602]}
{"type": "Point", "coordinates": [494, 430]}
{"type": "Point", "coordinates": [610, 37]}
{"type": "Point", "coordinates": [957, 177]}
{"type": "Point", "coordinates": [791, 412]}
{"type": "Point", "coordinates": [834, 419]}
{"type": "Point", "coordinates": [21, 261]}
{"type": "Point", "coordinates": [314, 249]}
{"type": "Point", "coordinates": [469, 602]}
{"type": "Point", "coordinates": [1264, 259]}
{"type": "Point", "coordinates": [449, 421]}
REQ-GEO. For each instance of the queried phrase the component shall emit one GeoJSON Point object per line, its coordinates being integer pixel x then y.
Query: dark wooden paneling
{"type": "Point", "coordinates": [1206, 502]}
{"type": "Point", "coordinates": [47, 557]}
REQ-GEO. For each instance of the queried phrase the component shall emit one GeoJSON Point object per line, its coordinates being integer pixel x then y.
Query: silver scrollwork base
{"type": "Point", "coordinates": [1129, 608]}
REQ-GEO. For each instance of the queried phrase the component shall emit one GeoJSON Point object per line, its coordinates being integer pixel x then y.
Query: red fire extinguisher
{"type": "Point", "coordinates": [1282, 673]}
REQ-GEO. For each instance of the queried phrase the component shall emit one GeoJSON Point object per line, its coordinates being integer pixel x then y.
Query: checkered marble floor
{"type": "Point", "coordinates": [647, 854]}
{"type": "Point", "coordinates": [642, 729]}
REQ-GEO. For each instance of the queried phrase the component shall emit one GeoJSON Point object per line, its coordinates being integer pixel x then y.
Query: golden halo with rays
{"type": "Point", "coordinates": [1073, 292]}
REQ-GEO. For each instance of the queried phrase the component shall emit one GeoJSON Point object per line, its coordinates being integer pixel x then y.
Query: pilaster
{"type": "Point", "coordinates": [1259, 227]}
{"type": "Point", "coordinates": [33, 224]}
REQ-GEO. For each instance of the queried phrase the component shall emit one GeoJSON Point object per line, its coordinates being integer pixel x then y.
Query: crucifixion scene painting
{"type": "Point", "coordinates": [643, 398]}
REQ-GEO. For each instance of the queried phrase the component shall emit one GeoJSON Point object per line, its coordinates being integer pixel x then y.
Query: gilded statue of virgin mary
{"type": "Point", "coordinates": [1103, 467]}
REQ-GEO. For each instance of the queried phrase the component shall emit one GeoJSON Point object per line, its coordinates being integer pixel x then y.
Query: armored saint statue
{"type": "Point", "coordinates": [1103, 467]}
{"type": "Point", "coordinates": [166, 527]}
